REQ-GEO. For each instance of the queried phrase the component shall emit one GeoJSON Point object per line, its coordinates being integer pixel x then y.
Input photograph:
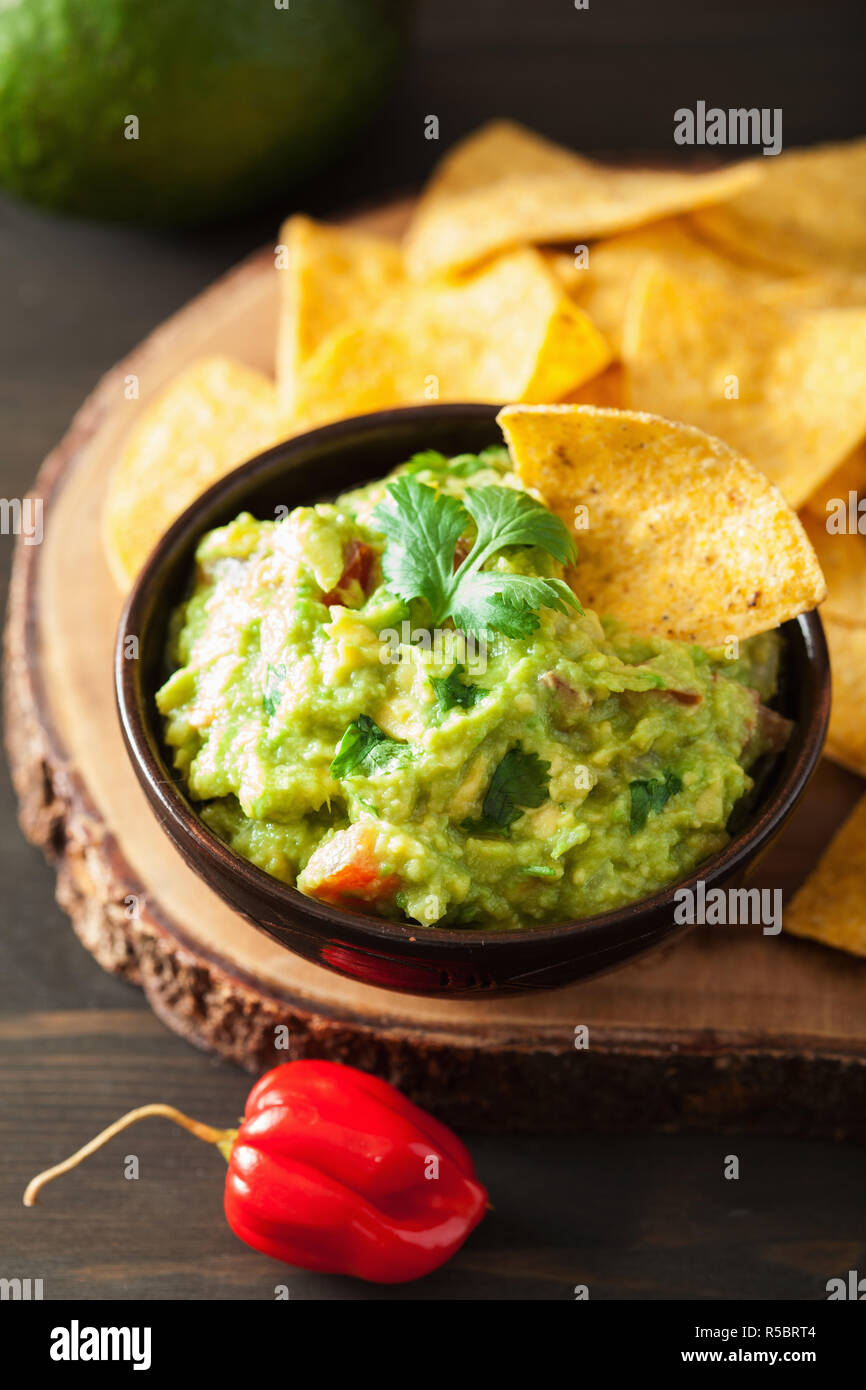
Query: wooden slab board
{"type": "Point", "coordinates": [726, 1027]}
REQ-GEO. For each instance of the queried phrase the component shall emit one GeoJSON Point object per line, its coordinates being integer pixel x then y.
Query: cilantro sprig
{"type": "Point", "coordinates": [365, 746]}
{"type": "Point", "coordinates": [422, 528]}
{"type": "Point", "coordinates": [520, 780]}
{"type": "Point", "coordinates": [651, 795]}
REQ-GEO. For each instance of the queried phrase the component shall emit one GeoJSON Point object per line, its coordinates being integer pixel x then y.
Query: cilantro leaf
{"type": "Point", "coordinates": [651, 795]}
{"type": "Point", "coordinates": [451, 691]}
{"type": "Point", "coordinates": [483, 602]}
{"type": "Point", "coordinates": [505, 516]}
{"type": "Point", "coordinates": [364, 746]}
{"type": "Point", "coordinates": [423, 528]}
{"type": "Point", "coordinates": [274, 686]}
{"type": "Point", "coordinates": [520, 780]}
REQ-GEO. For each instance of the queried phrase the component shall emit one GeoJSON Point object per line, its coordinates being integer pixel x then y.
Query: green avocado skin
{"type": "Point", "coordinates": [236, 99]}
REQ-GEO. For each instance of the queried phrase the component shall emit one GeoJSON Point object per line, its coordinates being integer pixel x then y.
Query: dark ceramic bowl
{"type": "Point", "coordinates": [415, 959]}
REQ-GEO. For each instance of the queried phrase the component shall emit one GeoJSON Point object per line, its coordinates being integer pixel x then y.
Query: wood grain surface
{"type": "Point", "coordinates": [714, 1028]}
{"type": "Point", "coordinates": [650, 1218]}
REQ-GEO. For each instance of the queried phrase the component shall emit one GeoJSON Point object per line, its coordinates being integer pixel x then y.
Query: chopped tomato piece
{"type": "Point", "coordinates": [346, 867]}
{"type": "Point", "coordinates": [566, 695]}
{"type": "Point", "coordinates": [354, 584]}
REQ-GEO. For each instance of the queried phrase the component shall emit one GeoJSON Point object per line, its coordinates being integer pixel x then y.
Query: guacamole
{"type": "Point", "coordinates": [395, 702]}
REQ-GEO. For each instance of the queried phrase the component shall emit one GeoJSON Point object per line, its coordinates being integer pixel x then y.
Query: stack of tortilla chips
{"type": "Point", "coordinates": [733, 300]}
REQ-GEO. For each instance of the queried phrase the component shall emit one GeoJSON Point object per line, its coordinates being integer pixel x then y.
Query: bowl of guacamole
{"type": "Point", "coordinates": [371, 710]}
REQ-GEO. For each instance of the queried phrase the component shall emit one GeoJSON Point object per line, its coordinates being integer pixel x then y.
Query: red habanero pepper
{"type": "Point", "coordinates": [335, 1170]}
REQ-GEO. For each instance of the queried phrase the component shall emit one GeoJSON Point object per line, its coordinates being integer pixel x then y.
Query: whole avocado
{"type": "Point", "coordinates": [177, 111]}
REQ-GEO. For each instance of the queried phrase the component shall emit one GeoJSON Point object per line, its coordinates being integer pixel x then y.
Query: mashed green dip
{"type": "Point", "coordinates": [527, 763]}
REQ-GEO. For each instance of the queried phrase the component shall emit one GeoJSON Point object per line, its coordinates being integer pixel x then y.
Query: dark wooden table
{"type": "Point", "coordinates": [635, 1218]}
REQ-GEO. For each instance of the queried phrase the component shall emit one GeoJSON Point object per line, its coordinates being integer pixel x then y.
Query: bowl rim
{"type": "Point", "coordinates": [188, 831]}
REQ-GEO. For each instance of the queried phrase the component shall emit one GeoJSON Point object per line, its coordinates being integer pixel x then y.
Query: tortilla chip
{"type": "Point", "coordinates": [808, 212]}
{"type": "Point", "coordinates": [333, 276]}
{"type": "Point", "coordinates": [689, 346]}
{"type": "Point", "coordinates": [796, 294]}
{"type": "Point", "coordinates": [831, 907]}
{"type": "Point", "coordinates": [842, 557]}
{"type": "Point", "coordinates": [505, 187]}
{"type": "Point", "coordinates": [846, 737]}
{"type": "Point", "coordinates": [602, 279]}
{"type": "Point", "coordinates": [508, 332]}
{"type": "Point", "coordinates": [213, 416]}
{"type": "Point", "coordinates": [684, 538]}
{"type": "Point", "coordinates": [605, 389]}
{"type": "Point", "coordinates": [849, 477]}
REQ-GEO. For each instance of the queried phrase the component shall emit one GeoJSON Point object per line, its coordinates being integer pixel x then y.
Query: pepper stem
{"type": "Point", "coordinates": [222, 1138]}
